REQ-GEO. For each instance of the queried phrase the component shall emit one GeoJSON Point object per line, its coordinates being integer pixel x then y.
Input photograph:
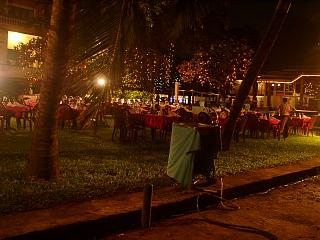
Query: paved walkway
{"type": "Point", "coordinates": [91, 218]}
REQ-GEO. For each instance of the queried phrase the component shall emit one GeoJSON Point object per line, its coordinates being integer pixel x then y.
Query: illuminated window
{"type": "Point", "coordinates": [14, 38]}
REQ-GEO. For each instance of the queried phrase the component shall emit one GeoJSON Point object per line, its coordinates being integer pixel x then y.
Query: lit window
{"type": "Point", "coordinates": [14, 38]}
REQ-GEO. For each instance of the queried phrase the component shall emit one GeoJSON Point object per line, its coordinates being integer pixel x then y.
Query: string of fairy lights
{"type": "Point", "coordinates": [225, 62]}
{"type": "Point", "coordinates": [312, 88]}
{"type": "Point", "coordinates": [147, 69]}
{"type": "Point", "coordinates": [151, 70]}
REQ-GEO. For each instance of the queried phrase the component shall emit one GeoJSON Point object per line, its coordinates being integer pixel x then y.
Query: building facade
{"type": "Point", "coordinates": [301, 86]}
{"type": "Point", "coordinates": [293, 84]}
{"type": "Point", "coordinates": [20, 21]}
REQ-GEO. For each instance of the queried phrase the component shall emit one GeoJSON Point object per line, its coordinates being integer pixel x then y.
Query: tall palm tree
{"type": "Point", "coordinates": [106, 27]}
{"type": "Point", "coordinates": [43, 159]}
{"type": "Point", "coordinates": [259, 59]}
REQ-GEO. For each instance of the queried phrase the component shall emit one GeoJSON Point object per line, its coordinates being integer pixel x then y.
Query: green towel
{"type": "Point", "coordinates": [185, 141]}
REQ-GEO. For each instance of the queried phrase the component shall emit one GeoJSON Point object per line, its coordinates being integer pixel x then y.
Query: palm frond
{"type": "Point", "coordinates": [105, 29]}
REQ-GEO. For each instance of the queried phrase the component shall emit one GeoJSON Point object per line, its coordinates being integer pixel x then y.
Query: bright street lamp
{"type": "Point", "coordinates": [101, 82]}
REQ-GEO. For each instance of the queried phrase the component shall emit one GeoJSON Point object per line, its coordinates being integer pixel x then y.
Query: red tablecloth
{"type": "Point", "coordinates": [306, 120]}
{"type": "Point", "coordinates": [29, 100]}
{"type": "Point", "coordinates": [17, 108]}
{"type": "Point", "coordinates": [158, 121]}
{"type": "Point", "coordinates": [274, 121]}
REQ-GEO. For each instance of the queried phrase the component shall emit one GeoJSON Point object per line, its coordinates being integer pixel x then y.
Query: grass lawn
{"type": "Point", "coordinates": [92, 166]}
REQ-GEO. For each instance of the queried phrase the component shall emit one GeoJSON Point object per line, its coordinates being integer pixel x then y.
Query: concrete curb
{"type": "Point", "coordinates": [118, 222]}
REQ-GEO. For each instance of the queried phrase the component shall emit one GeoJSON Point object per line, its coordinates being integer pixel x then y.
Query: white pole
{"type": "Point", "coordinates": [176, 92]}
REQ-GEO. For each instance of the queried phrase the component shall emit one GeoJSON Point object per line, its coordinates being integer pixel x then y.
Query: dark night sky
{"type": "Point", "coordinates": [252, 13]}
{"type": "Point", "coordinates": [297, 43]}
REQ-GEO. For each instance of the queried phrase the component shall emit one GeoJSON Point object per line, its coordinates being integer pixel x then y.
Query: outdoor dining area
{"type": "Point", "coordinates": [23, 110]}
{"type": "Point", "coordinates": [130, 121]}
{"type": "Point", "coordinates": [260, 125]}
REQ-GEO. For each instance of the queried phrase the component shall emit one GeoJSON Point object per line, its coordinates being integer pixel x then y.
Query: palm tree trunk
{"type": "Point", "coordinates": [43, 159]}
{"type": "Point", "coordinates": [260, 57]}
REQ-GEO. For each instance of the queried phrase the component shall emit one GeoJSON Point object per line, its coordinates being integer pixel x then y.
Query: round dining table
{"type": "Point", "coordinates": [17, 108]}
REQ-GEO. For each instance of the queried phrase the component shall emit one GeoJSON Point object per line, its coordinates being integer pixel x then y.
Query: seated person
{"type": "Point", "coordinates": [171, 112]}
{"type": "Point", "coordinates": [223, 114]}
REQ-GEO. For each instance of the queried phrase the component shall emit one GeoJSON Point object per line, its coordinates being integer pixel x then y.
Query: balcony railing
{"type": "Point", "coordinates": [11, 21]}
{"type": "Point", "coordinates": [5, 20]}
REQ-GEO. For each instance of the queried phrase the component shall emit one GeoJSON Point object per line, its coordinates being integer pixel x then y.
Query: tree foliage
{"type": "Point", "coordinates": [146, 69]}
{"type": "Point", "coordinates": [226, 61]}
{"type": "Point", "coordinates": [125, 41]}
{"type": "Point", "coordinates": [30, 56]}
{"type": "Point", "coordinates": [144, 96]}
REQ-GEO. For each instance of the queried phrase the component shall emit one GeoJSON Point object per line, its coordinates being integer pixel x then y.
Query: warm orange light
{"type": "Point", "coordinates": [14, 38]}
{"type": "Point", "coordinates": [297, 78]}
{"type": "Point", "coordinates": [305, 75]}
{"type": "Point", "coordinates": [101, 82]}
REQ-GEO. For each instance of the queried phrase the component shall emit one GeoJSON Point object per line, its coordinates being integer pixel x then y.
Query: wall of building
{"type": "Point", "coordinates": [23, 16]}
{"type": "Point", "coordinates": [3, 46]}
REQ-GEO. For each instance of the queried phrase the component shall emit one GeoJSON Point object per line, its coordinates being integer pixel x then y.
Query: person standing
{"type": "Point", "coordinates": [285, 110]}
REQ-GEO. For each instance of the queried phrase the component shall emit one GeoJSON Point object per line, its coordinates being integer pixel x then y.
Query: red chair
{"type": "Point", "coordinates": [67, 114]}
{"type": "Point", "coordinates": [120, 123]}
{"type": "Point", "coordinates": [168, 126]}
{"type": "Point", "coordinates": [264, 127]}
{"type": "Point", "coordinates": [240, 128]}
{"type": "Point", "coordinates": [105, 112]}
{"type": "Point", "coordinates": [248, 123]}
{"type": "Point", "coordinates": [308, 126]}
{"type": "Point", "coordinates": [252, 125]}
{"type": "Point", "coordinates": [136, 124]}
{"type": "Point", "coordinates": [295, 125]}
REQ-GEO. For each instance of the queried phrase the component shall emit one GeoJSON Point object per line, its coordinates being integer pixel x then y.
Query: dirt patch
{"type": "Point", "coordinates": [288, 212]}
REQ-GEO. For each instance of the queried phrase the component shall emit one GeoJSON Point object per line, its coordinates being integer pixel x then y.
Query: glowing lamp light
{"type": "Point", "coordinates": [14, 38]}
{"type": "Point", "coordinates": [101, 82]}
